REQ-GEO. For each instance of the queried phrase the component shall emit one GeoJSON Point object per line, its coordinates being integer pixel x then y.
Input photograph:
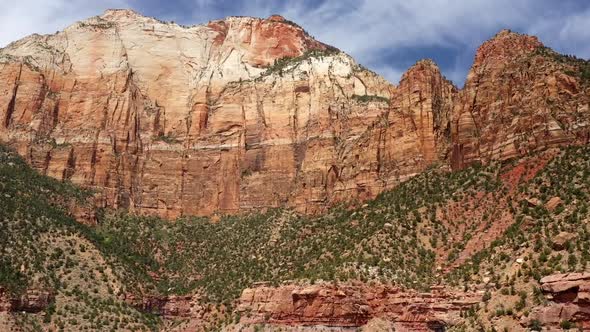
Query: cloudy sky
{"type": "Point", "coordinates": [387, 36]}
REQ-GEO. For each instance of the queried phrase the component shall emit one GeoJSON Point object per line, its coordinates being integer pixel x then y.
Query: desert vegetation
{"type": "Point", "coordinates": [405, 236]}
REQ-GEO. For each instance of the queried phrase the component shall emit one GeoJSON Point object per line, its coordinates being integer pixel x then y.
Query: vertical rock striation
{"type": "Point", "coordinates": [243, 113]}
{"type": "Point", "coordinates": [519, 97]}
{"type": "Point", "coordinates": [238, 114]}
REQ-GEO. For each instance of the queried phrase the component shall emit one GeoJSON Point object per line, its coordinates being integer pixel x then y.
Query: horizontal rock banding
{"type": "Point", "coordinates": [347, 305]}
{"type": "Point", "coordinates": [569, 296]}
{"type": "Point", "coordinates": [243, 113]}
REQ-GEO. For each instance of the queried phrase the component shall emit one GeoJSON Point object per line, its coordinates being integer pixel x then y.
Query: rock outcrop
{"type": "Point", "coordinates": [243, 113]}
{"type": "Point", "coordinates": [188, 312]}
{"type": "Point", "coordinates": [238, 114]}
{"type": "Point", "coordinates": [426, 98]}
{"type": "Point", "coordinates": [569, 301]}
{"type": "Point", "coordinates": [562, 240]}
{"type": "Point", "coordinates": [32, 301]}
{"type": "Point", "coordinates": [353, 305]}
{"type": "Point", "coordinates": [553, 203]}
{"type": "Point", "coordinates": [171, 306]}
{"type": "Point", "coordinates": [519, 97]}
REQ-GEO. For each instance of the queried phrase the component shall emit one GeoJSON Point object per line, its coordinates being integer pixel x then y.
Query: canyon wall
{"type": "Point", "coordinates": [243, 114]}
{"type": "Point", "coordinates": [172, 120]}
{"type": "Point", "coordinates": [519, 97]}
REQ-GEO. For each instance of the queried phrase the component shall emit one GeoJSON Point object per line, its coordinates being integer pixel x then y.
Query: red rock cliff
{"type": "Point", "coordinates": [353, 306]}
{"type": "Point", "coordinates": [244, 113]}
{"type": "Point", "coordinates": [519, 97]}
{"type": "Point", "coordinates": [174, 120]}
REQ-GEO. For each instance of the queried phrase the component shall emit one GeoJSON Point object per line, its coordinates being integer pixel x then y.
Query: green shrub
{"type": "Point", "coordinates": [371, 98]}
{"type": "Point", "coordinates": [280, 65]}
{"type": "Point", "coordinates": [566, 325]}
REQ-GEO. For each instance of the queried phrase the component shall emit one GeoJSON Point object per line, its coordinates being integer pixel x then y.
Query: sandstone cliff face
{"type": "Point", "coordinates": [244, 113]}
{"type": "Point", "coordinates": [427, 98]}
{"type": "Point", "coordinates": [519, 97]}
{"type": "Point", "coordinates": [354, 306]}
{"type": "Point", "coordinates": [172, 120]}
{"type": "Point", "coordinates": [569, 301]}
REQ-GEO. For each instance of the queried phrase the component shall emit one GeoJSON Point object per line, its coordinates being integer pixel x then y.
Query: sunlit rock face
{"type": "Point", "coordinates": [242, 113]}
{"type": "Point", "coordinates": [519, 97]}
{"type": "Point", "coordinates": [569, 296]}
{"type": "Point", "coordinates": [171, 120]}
{"type": "Point", "coordinates": [353, 306]}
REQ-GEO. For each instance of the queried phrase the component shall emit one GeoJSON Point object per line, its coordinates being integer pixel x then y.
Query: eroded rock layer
{"type": "Point", "coordinates": [354, 306]}
{"type": "Point", "coordinates": [569, 301]}
{"type": "Point", "coordinates": [519, 97]}
{"type": "Point", "coordinates": [243, 113]}
{"type": "Point", "coordinates": [172, 120]}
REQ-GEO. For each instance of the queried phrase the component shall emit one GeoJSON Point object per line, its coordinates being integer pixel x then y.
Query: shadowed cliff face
{"type": "Point", "coordinates": [244, 113]}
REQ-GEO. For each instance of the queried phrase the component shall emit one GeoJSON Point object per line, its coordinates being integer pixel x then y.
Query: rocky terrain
{"type": "Point", "coordinates": [242, 176]}
{"type": "Point", "coordinates": [570, 300]}
{"type": "Point", "coordinates": [215, 113]}
{"type": "Point", "coordinates": [243, 113]}
{"type": "Point", "coordinates": [354, 305]}
{"type": "Point", "coordinates": [430, 254]}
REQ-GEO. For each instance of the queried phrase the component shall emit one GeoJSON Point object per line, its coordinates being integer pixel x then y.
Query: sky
{"type": "Point", "coordinates": [387, 36]}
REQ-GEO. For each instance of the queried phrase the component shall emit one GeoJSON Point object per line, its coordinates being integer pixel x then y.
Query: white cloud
{"type": "Point", "coordinates": [567, 33]}
{"type": "Point", "coordinates": [369, 30]}
{"type": "Point", "coordinates": [21, 18]}
{"type": "Point", "coordinates": [388, 72]}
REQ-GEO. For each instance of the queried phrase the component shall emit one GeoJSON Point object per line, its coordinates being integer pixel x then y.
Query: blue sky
{"type": "Point", "coordinates": [387, 36]}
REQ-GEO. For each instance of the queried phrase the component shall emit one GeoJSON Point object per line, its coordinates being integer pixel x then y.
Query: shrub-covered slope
{"type": "Point", "coordinates": [43, 248]}
{"type": "Point", "coordinates": [492, 228]}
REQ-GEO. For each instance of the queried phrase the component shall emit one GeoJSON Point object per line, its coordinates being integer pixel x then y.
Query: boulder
{"type": "Point", "coordinates": [569, 296]}
{"type": "Point", "coordinates": [553, 203]}
{"type": "Point", "coordinates": [561, 240]}
{"type": "Point", "coordinates": [533, 202]}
